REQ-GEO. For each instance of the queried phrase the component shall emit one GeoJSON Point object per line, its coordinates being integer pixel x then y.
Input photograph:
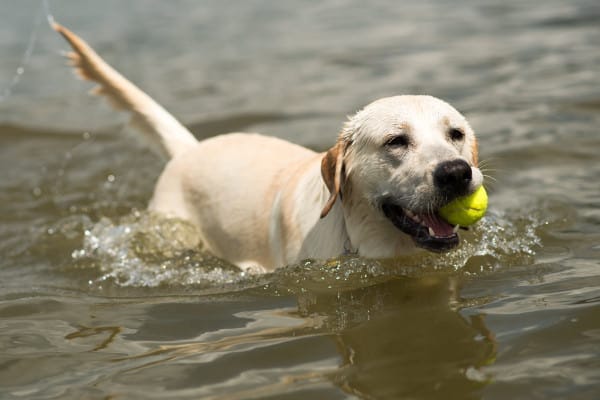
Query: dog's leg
{"type": "Point", "coordinates": [148, 116]}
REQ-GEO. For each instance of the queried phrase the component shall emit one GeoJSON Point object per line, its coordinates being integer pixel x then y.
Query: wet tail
{"type": "Point", "coordinates": [160, 128]}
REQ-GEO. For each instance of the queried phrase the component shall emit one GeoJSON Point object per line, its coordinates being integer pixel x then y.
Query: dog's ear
{"type": "Point", "coordinates": [475, 152]}
{"type": "Point", "coordinates": [332, 166]}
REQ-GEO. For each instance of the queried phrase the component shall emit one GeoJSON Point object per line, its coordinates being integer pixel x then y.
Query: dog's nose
{"type": "Point", "coordinates": [453, 178]}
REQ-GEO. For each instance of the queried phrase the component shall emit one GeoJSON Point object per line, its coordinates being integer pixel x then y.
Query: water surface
{"type": "Point", "coordinates": [100, 299]}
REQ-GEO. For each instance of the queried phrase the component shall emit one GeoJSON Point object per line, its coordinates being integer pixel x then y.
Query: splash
{"type": "Point", "coordinates": [147, 250]}
{"type": "Point", "coordinates": [496, 242]}
{"type": "Point", "coordinates": [499, 240]}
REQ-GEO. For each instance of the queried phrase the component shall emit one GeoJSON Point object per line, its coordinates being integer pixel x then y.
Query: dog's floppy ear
{"type": "Point", "coordinates": [475, 152]}
{"type": "Point", "coordinates": [332, 166]}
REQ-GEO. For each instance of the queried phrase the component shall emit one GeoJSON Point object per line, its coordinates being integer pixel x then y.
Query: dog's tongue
{"type": "Point", "coordinates": [440, 227]}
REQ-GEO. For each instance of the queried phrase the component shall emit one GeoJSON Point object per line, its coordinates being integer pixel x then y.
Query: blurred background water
{"type": "Point", "coordinates": [99, 299]}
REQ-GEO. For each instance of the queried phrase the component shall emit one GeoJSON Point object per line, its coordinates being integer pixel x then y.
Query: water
{"type": "Point", "coordinates": [99, 298]}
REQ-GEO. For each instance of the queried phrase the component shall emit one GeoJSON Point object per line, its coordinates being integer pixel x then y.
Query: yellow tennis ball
{"type": "Point", "coordinates": [467, 210]}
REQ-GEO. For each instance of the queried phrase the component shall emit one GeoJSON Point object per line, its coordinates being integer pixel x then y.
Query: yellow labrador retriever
{"type": "Point", "coordinates": [263, 202]}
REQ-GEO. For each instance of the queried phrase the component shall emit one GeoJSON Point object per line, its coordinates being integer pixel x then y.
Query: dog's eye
{"type": "Point", "coordinates": [456, 134]}
{"type": "Point", "coordinates": [398, 141]}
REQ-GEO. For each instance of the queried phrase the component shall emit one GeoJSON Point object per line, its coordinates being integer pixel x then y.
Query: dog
{"type": "Point", "coordinates": [262, 202]}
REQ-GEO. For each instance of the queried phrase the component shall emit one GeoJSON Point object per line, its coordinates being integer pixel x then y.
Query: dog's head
{"type": "Point", "coordinates": [396, 163]}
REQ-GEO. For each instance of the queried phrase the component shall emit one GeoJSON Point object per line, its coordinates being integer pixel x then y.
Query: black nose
{"type": "Point", "coordinates": [453, 178]}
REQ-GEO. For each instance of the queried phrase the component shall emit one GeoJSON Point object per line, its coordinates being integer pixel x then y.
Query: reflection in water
{"type": "Point", "coordinates": [403, 339]}
{"type": "Point", "coordinates": [390, 340]}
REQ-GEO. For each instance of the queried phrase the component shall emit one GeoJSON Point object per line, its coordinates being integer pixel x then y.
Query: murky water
{"type": "Point", "coordinates": [100, 299]}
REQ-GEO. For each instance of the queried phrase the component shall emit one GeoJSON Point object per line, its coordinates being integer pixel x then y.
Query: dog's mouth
{"type": "Point", "coordinates": [428, 230]}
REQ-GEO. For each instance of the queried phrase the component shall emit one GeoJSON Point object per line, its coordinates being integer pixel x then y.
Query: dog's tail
{"type": "Point", "coordinates": [160, 127]}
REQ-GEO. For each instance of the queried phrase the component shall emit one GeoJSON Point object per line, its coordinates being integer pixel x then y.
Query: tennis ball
{"type": "Point", "coordinates": [467, 210]}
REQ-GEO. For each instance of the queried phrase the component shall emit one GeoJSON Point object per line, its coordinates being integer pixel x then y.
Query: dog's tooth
{"type": "Point", "coordinates": [456, 228]}
{"type": "Point", "coordinates": [431, 232]}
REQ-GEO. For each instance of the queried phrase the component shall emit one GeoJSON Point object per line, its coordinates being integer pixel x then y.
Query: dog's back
{"type": "Point", "coordinates": [228, 186]}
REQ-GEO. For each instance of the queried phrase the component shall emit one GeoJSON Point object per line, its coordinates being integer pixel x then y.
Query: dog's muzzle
{"type": "Point", "coordinates": [428, 230]}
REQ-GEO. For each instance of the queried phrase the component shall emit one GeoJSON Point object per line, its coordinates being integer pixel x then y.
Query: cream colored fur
{"type": "Point", "coordinates": [263, 202]}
